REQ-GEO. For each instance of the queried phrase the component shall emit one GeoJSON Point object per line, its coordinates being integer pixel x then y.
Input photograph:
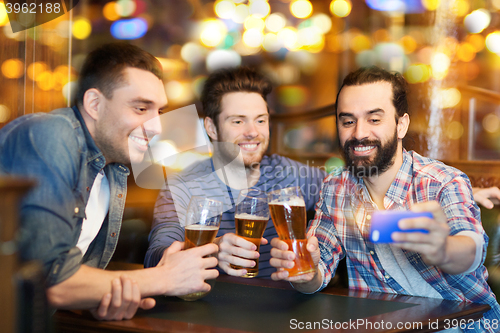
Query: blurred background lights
{"type": "Point", "coordinates": [323, 22]}
{"type": "Point", "coordinates": [477, 21]}
{"type": "Point", "coordinates": [165, 149]}
{"type": "Point", "coordinates": [4, 18]}
{"type": "Point", "coordinates": [69, 90]}
{"type": "Point", "coordinates": [240, 13]}
{"type": "Point", "coordinates": [222, 59]}
{"type": "Point", "coordinates": [449, 97]}
{"type": "Point", "coordinates": [440, 63]}
{"type": "Point", "coordinates": [125, 8]}
{"type": "Point", "coordinates": [224, 8]}
{"type": "Point", "coordinates": [493, 42]}
{"type": "Point", "coordinates": [271, 42]}
{"type": "Point", "coordinates": [192, 52]}
{"type": "Point", "coordinates": [259, 8]}
{"type": "Point", "coordinates": [466, 52]}
{"type": "Point", "coordinates": [81, 28]}
{"type": "Point", "coordinates": [254, 22]}
{"type": "Point", "coordinates": [496, 4]}
{"type": "Point", "coordinates": [360, 43]}
{"type": "Point", "coordinates": [213, 32]}
{"type": "Point", "coordinates": [12, 68]}
{"type": "Point", "coordinates": [417, 73]}
{"type": "Point", "coordinates": [253, 37]}
{"type": "Point", "coordinates": [491, 123]}
{"type": "Point", "coordinates": [431, 4]}
{"type": "Point", "coordinates": [4, 113]}
{"type": "Point", "coordinates": [409, 44]}
{"type": "Point", "coordinates": [288, 36]}
{"type": "Point", "coordinates": [454, 130]}
{"type": "Point", "coordinates": [301, 8]}
{"type": "Point", "coordinates": [341, 8]}
{"type": "Point", "coordinates": [46, 81]}
{"type": "Point", "coordinates": [275, 22]}
{"type": "Point", "coordinates": [109, 11]}
{"type": "Point", "coordinates": [477, 41]}
{"type": "Point", "coordinates": [35, 69]}
{"type": "Point", "coordinates": [460, 7]}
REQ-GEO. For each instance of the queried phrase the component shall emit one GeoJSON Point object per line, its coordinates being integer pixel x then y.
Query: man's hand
{"type": "Point", "coordinates": [186, 271]}
{"type": "Point", "coordinates": [283, 258]}
{"type": "Point", "coordinates": [122, 302]}
{"type": "Point", "coordinates": [452, 254]}
{"type": "Point", "coordinates": [237, 251]}
{"type": "Point", "coordinates": [486, 196]}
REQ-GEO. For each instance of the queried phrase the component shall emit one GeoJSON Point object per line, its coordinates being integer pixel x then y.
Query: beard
{"type": "Point", "coordinates": [362, 166]}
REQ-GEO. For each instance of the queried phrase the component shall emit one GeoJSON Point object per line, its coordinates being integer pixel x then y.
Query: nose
{"type": "Point", "coordinates": [361, 131]}
{"type": "Point", "coordinates": [251, 130]}
{"type": "Point", "coordinates": [152, 126]}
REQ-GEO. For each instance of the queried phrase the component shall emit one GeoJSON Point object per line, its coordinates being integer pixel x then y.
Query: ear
{"type": "Point", "coordinates": [210, 128]}
{"type": "Point", "coordinates": [403, 124]}
{"type": "Point", "coordinates": [91, 101]}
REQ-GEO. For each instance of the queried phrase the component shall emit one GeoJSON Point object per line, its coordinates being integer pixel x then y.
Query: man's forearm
{"type": "Point", "coordinates": [311, 286]}
{"type": "Point", "coordinates": [460, 254]}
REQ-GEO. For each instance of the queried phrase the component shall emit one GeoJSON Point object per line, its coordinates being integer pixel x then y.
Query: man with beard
{"type": "Point", "coordinates": [237, 122]}
{"type": "Point", "coordinates": [446, 262]}
{"type": "Point", "coordinates": [70, 221]}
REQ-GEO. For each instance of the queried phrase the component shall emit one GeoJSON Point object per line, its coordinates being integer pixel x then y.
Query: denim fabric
{"type": "Point", "coordinates": [58, 151]}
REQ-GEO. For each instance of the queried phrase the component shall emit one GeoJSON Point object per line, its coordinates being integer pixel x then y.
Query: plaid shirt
{"type": "Point", "coordinates": [342, 230]}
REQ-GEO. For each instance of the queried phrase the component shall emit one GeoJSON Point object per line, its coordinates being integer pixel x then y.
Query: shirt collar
{"type": "Point", "coordinates": [398, 190]}
{"type": "Point", "coordinates": [94, 153]}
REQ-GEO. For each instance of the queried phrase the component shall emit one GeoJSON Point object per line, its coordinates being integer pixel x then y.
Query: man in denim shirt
{"type": "Point", "coordinates": [71, 221]}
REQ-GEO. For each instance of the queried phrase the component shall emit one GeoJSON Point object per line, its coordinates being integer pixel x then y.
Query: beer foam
{"type": "Point", "coordinates": [250, 217]}
{"type": "Point", "coordinates": [294, 201]}
{"type": "Point", "coordinates": [201, 227]}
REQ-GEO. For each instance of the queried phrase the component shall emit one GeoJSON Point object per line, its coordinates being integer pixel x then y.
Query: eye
{"type": "Point", "coordinates": [347, 123]}
{"type": "Point", "coordinates": [141, 109]}
{"type": "Point", "coordinates": [375, 120]}
{"type": "Point", "coordinates": [262, 121]}
{"type": "Point", "coordinates": [237, 122]}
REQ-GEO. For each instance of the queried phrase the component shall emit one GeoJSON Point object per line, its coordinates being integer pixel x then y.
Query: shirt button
{"type": "Point", "coordinates": [113, 234]}
{"type": "Point", "coordinates": [88, 188]}
{"type": "Point", "coordinates": [387, 277]}
{"type": "Point", "coordinates": [77, 210]}
{"type": "Point", "coordinates": [372, 253]}
{"type": "Point", "coordinates": [97, 160]}
{"type": "Point", "coordinates": [120, 195]}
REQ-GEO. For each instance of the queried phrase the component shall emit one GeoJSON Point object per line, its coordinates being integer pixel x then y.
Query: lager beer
{"type": "Point", "coordinates": [289, 219]}
{"type": "Point", "coordinates": [198, 235]}
{"type": "Point", "coordinates": [250, 228]}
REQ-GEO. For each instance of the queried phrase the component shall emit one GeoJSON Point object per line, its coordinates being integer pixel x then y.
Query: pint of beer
{"type": "Point", "coordinates": [251, 218]}
{"type": "Point", "coordinates": [288, 212]}
{"type": "Point", "coordinates": [201, 225]}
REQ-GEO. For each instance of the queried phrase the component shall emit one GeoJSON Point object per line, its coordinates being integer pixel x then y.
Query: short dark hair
{"type": "Point", "coordinates": [374, 74]}
{"type": "Point", "coordinates": [221, 82]}
{"type": "Point", "coordinates": [104, 67]}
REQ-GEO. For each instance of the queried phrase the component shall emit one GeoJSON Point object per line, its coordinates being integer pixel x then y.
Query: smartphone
{"type": "Point", "coordinates": [385, 222]}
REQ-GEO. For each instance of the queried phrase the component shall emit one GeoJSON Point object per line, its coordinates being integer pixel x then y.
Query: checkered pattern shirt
{"type": "Point", "coordinates": [342, 230]}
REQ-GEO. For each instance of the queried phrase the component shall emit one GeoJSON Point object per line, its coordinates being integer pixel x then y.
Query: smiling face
{"type": "Point", "coordinates": [369, 135]}
{"type": "Point", "coordinates": [243, 121]}
{"type": "Point", "coordinates": [125, 123]}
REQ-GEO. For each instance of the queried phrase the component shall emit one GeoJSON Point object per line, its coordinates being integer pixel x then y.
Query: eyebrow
{"type": "Point", "coordinates": [348, 114]}
{"type": "Point", "coordinates": [244, 116]}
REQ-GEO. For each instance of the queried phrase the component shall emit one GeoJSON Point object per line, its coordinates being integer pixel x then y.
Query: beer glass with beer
{"type": "Point", "coordinates": [251, 217]}
{"type": "Point", "coordinates": [288, 212]}
{"type": "Point", "coordinates": [203, 218]}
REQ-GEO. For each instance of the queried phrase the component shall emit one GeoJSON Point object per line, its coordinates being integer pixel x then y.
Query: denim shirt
{"type": "Point", "coordinates": [57, 150]}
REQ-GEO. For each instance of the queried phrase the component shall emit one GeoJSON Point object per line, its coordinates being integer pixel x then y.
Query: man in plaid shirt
{"type": "Point", "coordinates": [446, 262]}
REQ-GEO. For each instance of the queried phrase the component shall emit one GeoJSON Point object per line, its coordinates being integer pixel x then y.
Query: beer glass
{"type": "Point", "coordinates": [288, 212]}
{"type": "Point", "coordinates": [251, 217]}
{"type": "Point", "coordinates": [203, 218]}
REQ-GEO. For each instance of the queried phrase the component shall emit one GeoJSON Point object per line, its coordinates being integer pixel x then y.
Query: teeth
{"type": "Point", "coordinates": [249, 146]}
{"type": "Point", "coordinates": [141, 141]}
{"type": "Point", "coordinates": [364, 148]}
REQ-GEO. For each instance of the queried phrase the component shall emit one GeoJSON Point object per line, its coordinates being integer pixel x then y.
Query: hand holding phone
{"type": "Point", "coordinates": [385, 222]}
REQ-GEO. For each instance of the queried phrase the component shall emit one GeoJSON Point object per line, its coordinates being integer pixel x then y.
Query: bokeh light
{"type": "Point", "coordinates": [35, 69]}
{"type": "Point", "coordinates": [125, 8]}
{"type": "Point", "coordinates": [129, 28]}
{"type": "Point", "coordinates": [476, 40]}
{"type": "Point", "coordinates": [477, 21]}
{"type": "Point", "coordinates": [288, 36]}
{"type": "Point", "coordinates": [323, 22]}
{"type": "Point", "coordinates": [271, 42]}
{"type": "Point", "coordinates": [224, 8]}
{"type": "Point", "coordinates": [213, 32]}
{"type": "Point", "coordinates": [495, 4]}
{"type": "Point", "coordinates": [81, 28]}
{"type": "Point", "coordinates": [449, 97]}
{"type": "Point", "coordinates": [4, 113]}
{"type": "Point", "coordinates": [259, 8]}
{"type": "Point", "coordinates": [109, 11]}
{"type": "Point", "coordinates": [222, 59]}
{"type": "Point", "coordinates": [409, 44]}
{"type": "Point", "coordinates": [301, 8]}
{"type": "Point", "coordinates": [466, 52]}
{"type": "Point", "coordinates": [254, 22]}
{"type": "Point", "coordinates": [253, 38]}
{"type": "Point", "coordinates": [4, 18]}
{"type": "Point", "coordinates": [491, 123]}
{"type": "Point", "coordinates": [275, 22]}
{"type": "Point", "coordinates": [292, 95]}
{"type": "Point", "coordinates": [360, 43]}
{"type": "Point", "coordinates": [341, 8]}
{"type": "Point", "coordinates": [192, 52]}
{"type": "Point", "coordinates": [12, 68]}
{"type": "Point", "coordinates": [454, 130]}
{"type": "Point", "coordinates": [440, 64]}
{"type": "Point", "coordinates": [493, 42]}
{"type": "Point", "coordinates": [241, 12]}
{"type": "Point", "coordinates": [417, 73]}
{"type": "Point", "coordinates": [431, 4]}
{"type": "Point", "coordinates": [47, 81]}
{"type": "Point", "coordinates": [460, 7]}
